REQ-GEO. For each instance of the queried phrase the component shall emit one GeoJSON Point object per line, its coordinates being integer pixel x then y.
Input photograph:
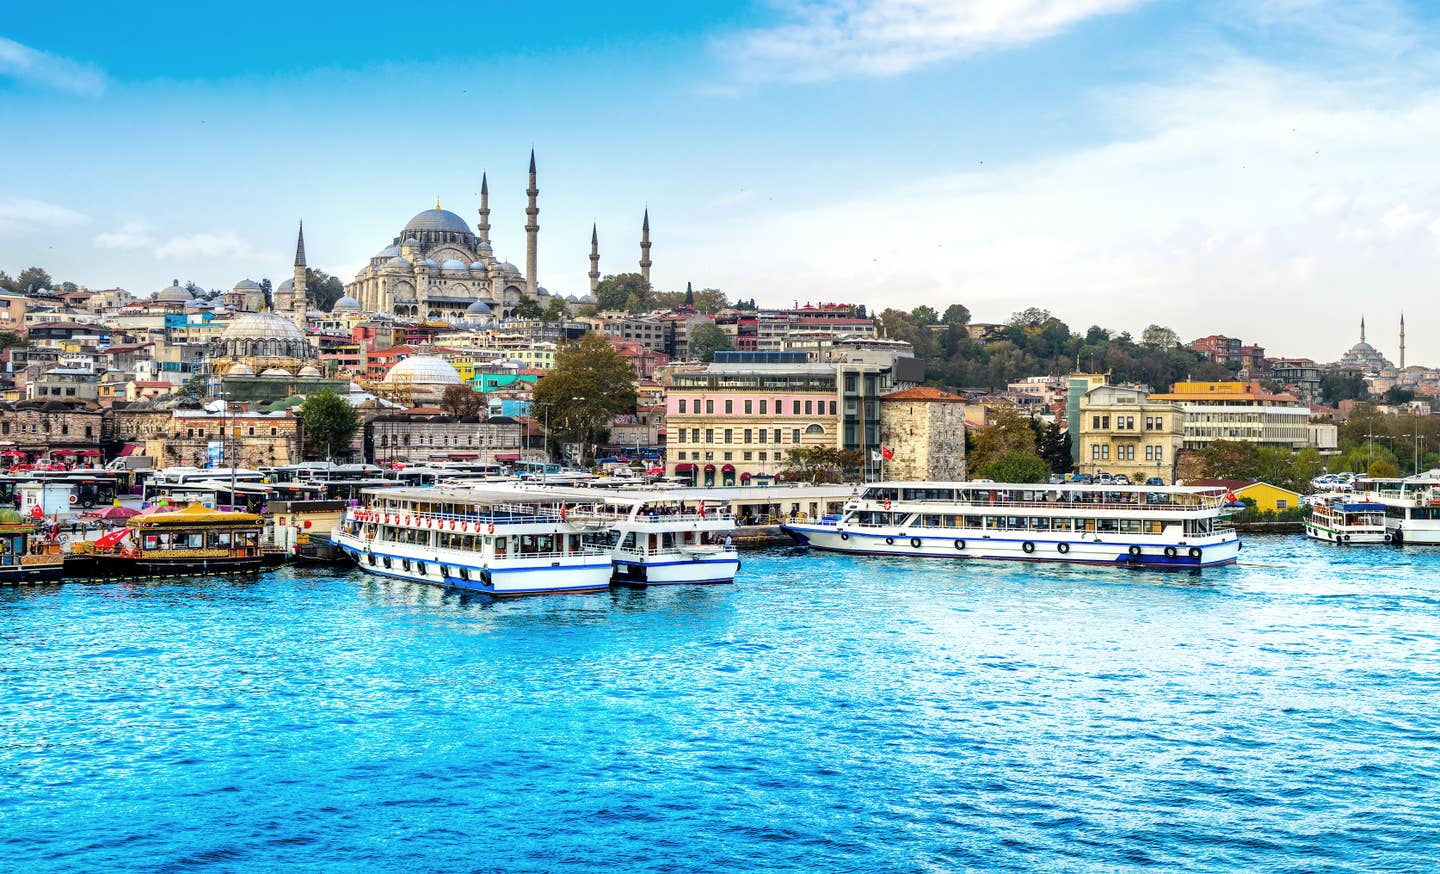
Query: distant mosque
{"type": "Point", "coordinates": [436, 268]}
{"type": "Point", "coordinates": [1367, 359]}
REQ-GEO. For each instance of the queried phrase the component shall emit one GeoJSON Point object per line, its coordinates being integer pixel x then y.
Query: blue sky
{"type": "Point", "coordinates": [1240, 167]}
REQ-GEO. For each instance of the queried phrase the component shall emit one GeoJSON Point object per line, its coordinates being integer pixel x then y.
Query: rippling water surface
{"type": "Point", "coordinates": [825, 713]}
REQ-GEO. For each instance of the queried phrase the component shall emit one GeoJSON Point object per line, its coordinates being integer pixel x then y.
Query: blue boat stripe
{"type": "Point", "coordinates": [979, 540]}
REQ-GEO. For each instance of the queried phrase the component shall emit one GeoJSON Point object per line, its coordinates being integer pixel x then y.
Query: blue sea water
{"type": "Point", "coordinates": [825, 713]}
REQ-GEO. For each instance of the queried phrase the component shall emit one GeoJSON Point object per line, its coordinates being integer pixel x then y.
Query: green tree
{"type": "Point", "coordinates": [528, 308]}
{"type": "Point", "coordinates": [822, 464]}
{"type": "Point", "coordinates": [1017, 467]}
{"type": "Point", "coordinates": [627, 292]}
{"type": "Point", "coordinates": [1396, 395]}
{"type": "Point", "coordinates": [329, 424]}
{"type": "Point", "coordinates": [322, 289]}
{"type": "Point", "coordinates": [197, 386]}
{"type": "Point", "coordinates": [956, 314]}
{"type": "Point", "coordinates": [1382, 468]}
{"type": "Point", "coordinates": [556, 311]}
{"type": "Point", "coordinates": [1308, 465]}
{"type": "Point", "coordinates": [1231, 459]}
{"type": "Point", "coordinates": [30, 280]}
{"type": "Point", "coordinates": [10, 338]}
{"type": "Point", "coordinates": [1161, 337]}
{"type": "Point", "coordinates": [689, 296]}
{"type": "Point", "coordinates": [923, 316]}
{"type": "Point", "coordinates": [1277, 467]}
{"type": "Point", "coordinates": [589, 386]}
{"type": "Point", "coordinates": [1009, 432]}
{"type": "Point", "coordinates": [1032, 317]}
{"type": "Point", "coordinates": [1343, 386]}
{"type": "Point", "coordinates": [705, 340]}
{"type": "Point", "coordinates": [1052, 443]}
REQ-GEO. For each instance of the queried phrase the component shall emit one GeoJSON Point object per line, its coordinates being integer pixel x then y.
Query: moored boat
{"type": "Point", "coordinates": [498, 543]}
{"type": "Point", "coordinates": [1346, 519]}
{"type": "Point", "coordinates": [1139, 526]}
{"type": "Point", "coordinates": [1412, 506]}
{"type": "Point", "coordinates": [193, 540]}
{"type": "Point", "coordinates": [659, 541]}
{"type": "Point", "coordinates": [26, 555]}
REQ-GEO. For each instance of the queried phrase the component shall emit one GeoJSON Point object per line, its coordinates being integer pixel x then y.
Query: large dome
{"type": "Point", "coordinates": [247, 285]}
{"type": "Point", "coordinates": [437, 220]}
{"type": "Point", "coordinates": [346, 304]}
{"type": "Point", "coordinates": [263, 326]}
{"type": "Point", "coordinates": [427, 370]}
{"type": "Point", "coordinates": [175, 293]}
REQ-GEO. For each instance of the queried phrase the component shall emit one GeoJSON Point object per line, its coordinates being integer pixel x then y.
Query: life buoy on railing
{"type": "Point", "coordinates": [490, 529]}
{"type": "Point", "coordinates": [885, 504]}
{"type": "Point", "coordinates": [452, 524]}
{"type": "Point", "coordinates": [890, 541]}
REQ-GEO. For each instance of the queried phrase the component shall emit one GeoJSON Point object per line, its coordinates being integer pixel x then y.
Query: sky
{"type": "Point", "coordinates": [1259, 168]}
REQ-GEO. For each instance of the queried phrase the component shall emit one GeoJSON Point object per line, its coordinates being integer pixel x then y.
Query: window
{"type": "Point", "coordinates": [1159, 423]}
{"type": "Point", "coordinates": [1095, 423]}
{"type": "Point", "coordinates": [1105, 453]}
{"type": "Point", "coordinates": [1095, 452]}
{"type": "Point", "coordinates": [1159, 453]}
{"type": "Point", "coordinates": [748, 405]}
{"type": "Point", "coordinates": [747, 436]}
{"type": "Point", "coordinates": [709, 435]}
{"type": "Point", "coordinates": [1149, 453]}
{"type": "Point", "coordinates": [1105, 422]}
{"type": "Point", "coordinates": [807, 408]}
{"type": "Point", "coordinates": [727, 455]}
{"type": "Point", "coordinates": [795, 408]}
{"type": "Point", "coordinates": [832, 408]}
{"type": "Point", "coordinates": [681, 455]}
{"type": "Point", "coordinates": [682, 405]}
{"type": "Point", "coordinates": [764, 432]}
{"type": "Point", "coordinates": [1281, 503]}
{"type": "Point", "coordinates": [763, 455]}
{"type": "Point", "coordinates": [795, 435]}
{"type": "Point", "coordinates": [728, 433]}
{"type": "Point", "coordinates": [747, 455]}
{"type": "Point", "coordinates": [729, 407]}
{"type": "Point", "coordinates": [776, 437]}
{"type": "Point", "coordinates": [709, 406]}
{"type": "Point", "coordinates": [763, 405]}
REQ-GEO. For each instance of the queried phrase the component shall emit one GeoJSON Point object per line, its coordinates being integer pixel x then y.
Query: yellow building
{"type": "Point", "coordinates": [1267, 498]}
{"type": "Point", "coordinates": [1241, 411]}
{"type": "Point", "coordinates": [1122, 430]}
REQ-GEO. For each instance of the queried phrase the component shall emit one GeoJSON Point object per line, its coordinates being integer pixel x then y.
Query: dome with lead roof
{"type": "Point", "coordinates": [346, 304]}
{"type": "Point", "coordinates": [268, 325]}
{"type": "Point", "coordinates": [174, 293]}
{"type": "Point", "coordinates": [453, 264]}
{"type": "Point", "coordinates": [437, 220]}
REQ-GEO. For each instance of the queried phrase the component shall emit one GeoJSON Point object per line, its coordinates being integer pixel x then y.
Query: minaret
{"type": "Point", "coordinates": [645, 247]}
{"type": "Point", "coordinates": [594, 258]}
{"type": "Point", "coordinates": [300, 298]}
{"type": "Point", "coordinates": [1362, 329]}
{"type": "Point", "coordinates": [1402, 341]}
{"type": "Point", "coordinates": [532, 231]}
{"type": "Point", "coordinates": [484, 226]}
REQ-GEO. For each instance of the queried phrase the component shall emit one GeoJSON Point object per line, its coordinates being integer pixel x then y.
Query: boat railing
{"type": "Point", "coordinates": [961, 507]}
{"type": "Point", "coordinates": [646, 552]}
{"type": "Point", "coordinates": [583, 550]}
{"type": "Point", "coordinates": [498, 515]}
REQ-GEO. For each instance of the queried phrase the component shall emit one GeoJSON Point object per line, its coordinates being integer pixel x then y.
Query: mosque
{"type": "Point", "coordinates": [436, 268]}
{"type": "Point", "coordinates": [1366, 359]}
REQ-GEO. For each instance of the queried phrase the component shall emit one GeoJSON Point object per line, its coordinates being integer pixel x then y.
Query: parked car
{"type": "Point", "coordinates": [1121, 480]}
{"type": "Point", "coordinates": [1154, 481]}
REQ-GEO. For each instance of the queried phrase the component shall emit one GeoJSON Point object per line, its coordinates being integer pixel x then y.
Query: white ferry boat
{"type": "Point", "coordinates": [1152, 526]}
{"type": "Point", "coordinates": [661, 541]}
{"type": "Point", "coordinates": [501, 543]}
{"type": "Point", "coordinates": [1412, 506]}
{"type": "Point", "coordinates": [1342, 518]}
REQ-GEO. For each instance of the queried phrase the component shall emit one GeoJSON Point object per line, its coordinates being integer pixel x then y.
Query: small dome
{"type": "Point", "coordinates": [275, 373]}
{"type": "Point", "coordinates": [262, 326]}
{"type": "Point", "coordinates": [437, 220]}
{"type": "Point", "coordinates": [427, 370]}
{"type": "Point", "coordinates": [478, 266]}
{"type": "Point", "coordinates": [388, 252]}
{"type": "Point", "coordinates": [398, 263]}
{"type": "Point", "coordinates": [453, 264]}
{"type": "Point", "coordinates": [430, 262]}
{"type": "Point", "coordinates": [240, 369]}
{"type": "Point", "coordinates": [409, 241]}
{"type": "Point", "coordinates": [247, 285]}
{"type": "Point", "coordinates": [507, 267]}
{"type": "Point", "coordinates": [542, 291]}
{"type": "Point", "coordinates": [346, 304]}
{"type": "Point", "coordinates": [588, 298]}
{"type": "Point", "coordinates": [309, 371]}
{"type": "Point", "coordinates": [175, 293]}
{"type": "Point", "coordinates": [478, 308]}
{"type": "Point", "coordinates": [570, 298]}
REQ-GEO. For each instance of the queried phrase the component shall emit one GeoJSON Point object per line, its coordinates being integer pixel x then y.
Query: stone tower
{"type": "Point", "coordinates": [1362, 329]}
{"type": "Point", "coordinates": [645, 247]}
{"type": "Point", "coordinates": [483, 229]}
{"type": "Point", "coordinates": [594, 258]}
{"type": "Point", "coordinates": [300, 297]}
{"type": "Point", "coordinates": [532, 231]}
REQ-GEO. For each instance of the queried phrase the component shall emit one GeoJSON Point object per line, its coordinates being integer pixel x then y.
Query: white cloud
{"type": "Point", "coordinates": [828, 39]}
{"type": "Point", "coordinates": [25, 64]}
{"type": "Point", "coordinates": [20, 213]}
{"type": "Point", "coordinates": [223, 244]}
{"type": "Point", "coordinates": [1402, 218]}
{"type": "Point", "coordinates": [132, 235]}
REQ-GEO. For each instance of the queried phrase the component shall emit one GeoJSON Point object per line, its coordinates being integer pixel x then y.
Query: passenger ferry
{"type": "Point", "coordinates": [1151, 526]}
{"type": "Point", "coordinates": [501, 543]}
{"type": "Point", "coordinates": [1342, 518]}
{"type": "Point", "coordinates": [25, 555]}
{"type": "Point", "coordinates": [658, 539]}
{"type": "Point", "coordinates": [1412, 506]}
{"type": "Point", "coordinates": [194, 540]}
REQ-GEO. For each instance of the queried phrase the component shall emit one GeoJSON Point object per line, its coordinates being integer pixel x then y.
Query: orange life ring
{"type": "Point", "coordinates": [886, 505]}
{"type": "Point", "coordinates": [452, 524]}
{"type": "Point", "coordinates": [72, 499]}
{"type": "Point", "coordinates": [490, 529]}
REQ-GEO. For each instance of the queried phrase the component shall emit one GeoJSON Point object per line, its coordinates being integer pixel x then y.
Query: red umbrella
{"type": "Point", "coordinates": [118, 514]}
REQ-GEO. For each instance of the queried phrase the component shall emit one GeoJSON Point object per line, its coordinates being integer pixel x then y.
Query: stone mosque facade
{"type": "Point", "coordinates": [438, 269]}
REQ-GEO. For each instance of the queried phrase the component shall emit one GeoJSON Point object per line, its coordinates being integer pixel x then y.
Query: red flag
{"type": "Point", "coordinates": [887, 453]}
{"type": "Point", "coordinates": [1229, 496]}
{"type": "Point", "coordinates": [37, 513]}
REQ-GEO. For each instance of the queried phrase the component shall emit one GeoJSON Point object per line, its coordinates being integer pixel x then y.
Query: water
{"type": "Point", "coordinates": [826, 713]}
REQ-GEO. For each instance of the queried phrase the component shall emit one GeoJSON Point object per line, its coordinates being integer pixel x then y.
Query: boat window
{"type": "Point", "coordinates": [1106, 526]}
{"type": "Point", "coordinates": [629, 541]}
{"type": "Point", "coordinates": [1129, 526]}
{"type": "Point", "coordinates": [545, 543]}
{"type": "Point", "coordinates": [152, 541]}
{"type": "Point", "coordinates": [667, 540]}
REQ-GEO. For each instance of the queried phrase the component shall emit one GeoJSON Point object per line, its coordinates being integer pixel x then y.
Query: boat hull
{"type": "Point", "coordinates": [676, 570]}
{"type": "Point", "coordinates": [30, 574]}
{"type": "Point", "coordinates": [545, 576]}
{"type": "Point", "coordinates": [1408, 533]}
{"type": "Point", "coordinates": [1128, 553]}
{"type": "Point", "coordinates": [120, 566]}
{"type": "Point", "coordinates": [1345, 538]}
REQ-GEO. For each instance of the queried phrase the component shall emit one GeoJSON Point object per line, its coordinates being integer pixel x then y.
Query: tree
{"type": "Point", "coordinates": [10, 338]}
{"type": "Point", "coordinates": [195, 387]}
{"type": "Point", "coordinates": [1017, 467]}
{"type": "Point", "coordinates": [822, 464]}
{"type": "Point", "coordinates": [329, 422]}
{"type": "Point", "coordinates": [589, 386]}
{"type": "Point", "coordinates": [956, 314]}
{"type": "Point", "coordinates": [1052, 443]}
{"type": "Point", "coordinates": [1396, 395]}
{"type": "Point", "coordinates": [322, 289]}
{"type": "Point", "coordinates": [556, 311]}
{"type": "Point", "coordinates": [1032, 317]}
{"type": "Point", "coordinates": [1382, 468]}
{"type": "Point", "coordinates": [1160, 337]}
{"type": "Point", "coordinates": [705, 340]}
{"type": "Point", "coordinates": [1343, 386]}
{"type": "Point", "coordinates": [628, 292]}
{"type": "Point", "coordinates": [528, 308]}
{"type": "Point", "coordinates": [461, 401]}
{"type": "Point", "coordinates": [30, 280]}
{"type": "Point", "coordinates": [689, 301]}
{"type": "Point", "coordinates": [923, 315]}
{"type": "Point", "coordinates": [1009, 431]}
{"type": "Point", "coordinates": [1231, 459]}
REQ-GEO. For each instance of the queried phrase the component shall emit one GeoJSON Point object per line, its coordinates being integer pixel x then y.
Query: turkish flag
{"type": "Point", "coordinates": [37, 513]}
{"type": "Point", "coordinates": [887, 453]}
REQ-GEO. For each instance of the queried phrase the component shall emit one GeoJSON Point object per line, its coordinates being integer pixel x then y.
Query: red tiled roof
{"type": "Point", "coordinates": [921, 393]}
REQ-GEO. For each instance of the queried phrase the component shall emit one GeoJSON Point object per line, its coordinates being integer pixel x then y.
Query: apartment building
{"type": "Point", "coordinates": [1125, 430]}
{"type": "Point", "coordinates": [1240, 411]}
